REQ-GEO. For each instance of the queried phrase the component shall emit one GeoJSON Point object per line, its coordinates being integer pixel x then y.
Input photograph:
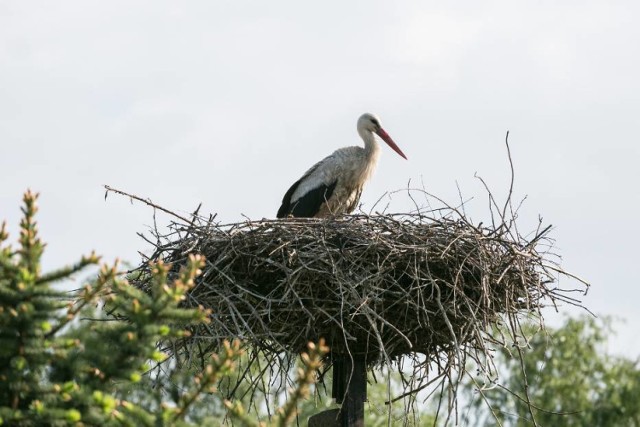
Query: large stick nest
{"type": "Point", "coordinates": [430, 285]}
{"type": "Point", "coordinates": [383, 286]}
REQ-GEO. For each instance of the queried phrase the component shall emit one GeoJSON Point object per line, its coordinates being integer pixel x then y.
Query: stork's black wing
{"type": "Point", "coordinates": [309, 204]}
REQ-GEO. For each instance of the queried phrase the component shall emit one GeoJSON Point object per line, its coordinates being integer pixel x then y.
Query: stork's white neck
{"type": "Point", "coordinates": [371, 154]}
{"type": "Point", "coordinates": [371, 146]}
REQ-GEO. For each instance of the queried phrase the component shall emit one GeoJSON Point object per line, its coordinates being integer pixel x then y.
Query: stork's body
{"type": "Point", "coordinates": [333, 186]}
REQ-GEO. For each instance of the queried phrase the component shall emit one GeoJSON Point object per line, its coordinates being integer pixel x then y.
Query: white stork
{"type": "Point", "coordinates": [333, 186]}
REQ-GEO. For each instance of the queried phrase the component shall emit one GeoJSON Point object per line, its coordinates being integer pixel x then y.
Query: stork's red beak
{"type": "Point", "coordinates": [386, 138]}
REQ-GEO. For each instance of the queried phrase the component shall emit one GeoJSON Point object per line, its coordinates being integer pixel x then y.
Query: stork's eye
{"type": "Point", "coordinates": [375, 122]}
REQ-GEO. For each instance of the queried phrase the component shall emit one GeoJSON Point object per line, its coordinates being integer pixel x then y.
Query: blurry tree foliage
{"type": "Point", "coordinates": [571, 378]}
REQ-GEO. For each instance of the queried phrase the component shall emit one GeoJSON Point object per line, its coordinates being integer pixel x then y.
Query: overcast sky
{"type": "Point", "coordinates": [228, 102]}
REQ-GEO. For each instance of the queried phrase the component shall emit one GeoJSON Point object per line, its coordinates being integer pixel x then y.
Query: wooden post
{"type": "Point", "coordinates": [350, 376]}
{"type": "Point", "coordinates": [339, 385]}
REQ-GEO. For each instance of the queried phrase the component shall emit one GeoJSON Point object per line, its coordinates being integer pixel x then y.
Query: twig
{"type": "Point", "coordinates": [147, 202]}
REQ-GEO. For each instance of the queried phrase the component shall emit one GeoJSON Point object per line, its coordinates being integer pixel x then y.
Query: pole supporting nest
{"type": "Point", "coordinates": [350, 388]}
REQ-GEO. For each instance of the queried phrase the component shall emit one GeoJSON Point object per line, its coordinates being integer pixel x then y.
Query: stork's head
{"type": "Point", "coordinates": [370, 123]}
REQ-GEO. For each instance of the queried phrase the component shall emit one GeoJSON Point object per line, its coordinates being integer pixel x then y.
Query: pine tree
{"type": "Point", "coordinates": [56, 369]}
